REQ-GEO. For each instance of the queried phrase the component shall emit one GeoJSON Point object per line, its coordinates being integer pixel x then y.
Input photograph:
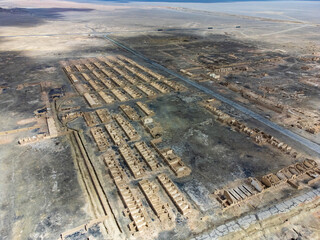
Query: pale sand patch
{"type": "Point", "coordinates": [63, 4]}
{"type": "Point", "coordinates": [26, 121]}
{"type": "Point", "coordinates": [6, 139]}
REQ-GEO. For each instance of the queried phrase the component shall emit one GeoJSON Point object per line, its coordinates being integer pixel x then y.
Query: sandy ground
{"type": "Point", "coordinates": [42, 191]}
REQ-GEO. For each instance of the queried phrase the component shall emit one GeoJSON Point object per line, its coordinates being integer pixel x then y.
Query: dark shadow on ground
{"type": "Point", "coordinates": [23, 17]}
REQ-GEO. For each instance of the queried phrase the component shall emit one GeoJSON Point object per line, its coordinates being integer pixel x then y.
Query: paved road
{"type": "Point", "coordinates": [93, 32]}
{"type": "Point", "coordinates": [297, 138]}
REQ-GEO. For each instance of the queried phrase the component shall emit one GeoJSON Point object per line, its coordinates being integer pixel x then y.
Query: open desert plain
{"type": "Point", "coordinates": [166, 120]}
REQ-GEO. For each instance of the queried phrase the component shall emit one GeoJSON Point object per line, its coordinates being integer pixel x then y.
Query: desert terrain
{"type": "Point", "coordinates": [159, 120]}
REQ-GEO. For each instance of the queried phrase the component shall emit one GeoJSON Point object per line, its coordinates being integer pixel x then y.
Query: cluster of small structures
{"type": "Point", "coordinates": [116, 78]}
{"type": "Point", "coordinates": [175, 162]}
{"type": "Point", "coordinates": [122, 127]}
{"type": "Point", "coordinates": [119, 79]}
{"type": "Point", "coordinates": [139, 216]}
{"type": "Point", "coordinates": [133, 204]}
{"type": "Point", "coordinates": [138, 169]}
{"type": "Point", "coordinates": [243, 70]}
{"type": "Point", "coordinates": [220, 66]}
{"type": "Point", "coordinates": [296, 175]}
{"type": "Point", "coordinates": [126, 141]}
{"type": "Point", "coordinates": [291, 116]}
{"type": "Point", "coordinates": [175, 194]}
{"type": "Point", "coordinates": [295, 117]}
{"type": "Point", "coordinates": [130, 112]}
{"type": "Point", "coordinates": [147, 155]}
{"type": "Point", "coordinates": [256, 98]}
{"type": "Point", "coordinates": [46, 114]}
{"type": "Point", "coordinates": [100, 138]}
{"type": "Point", "coordinates": [257, 135]}
{"type": "Point", "coordinates": [161, 209]}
